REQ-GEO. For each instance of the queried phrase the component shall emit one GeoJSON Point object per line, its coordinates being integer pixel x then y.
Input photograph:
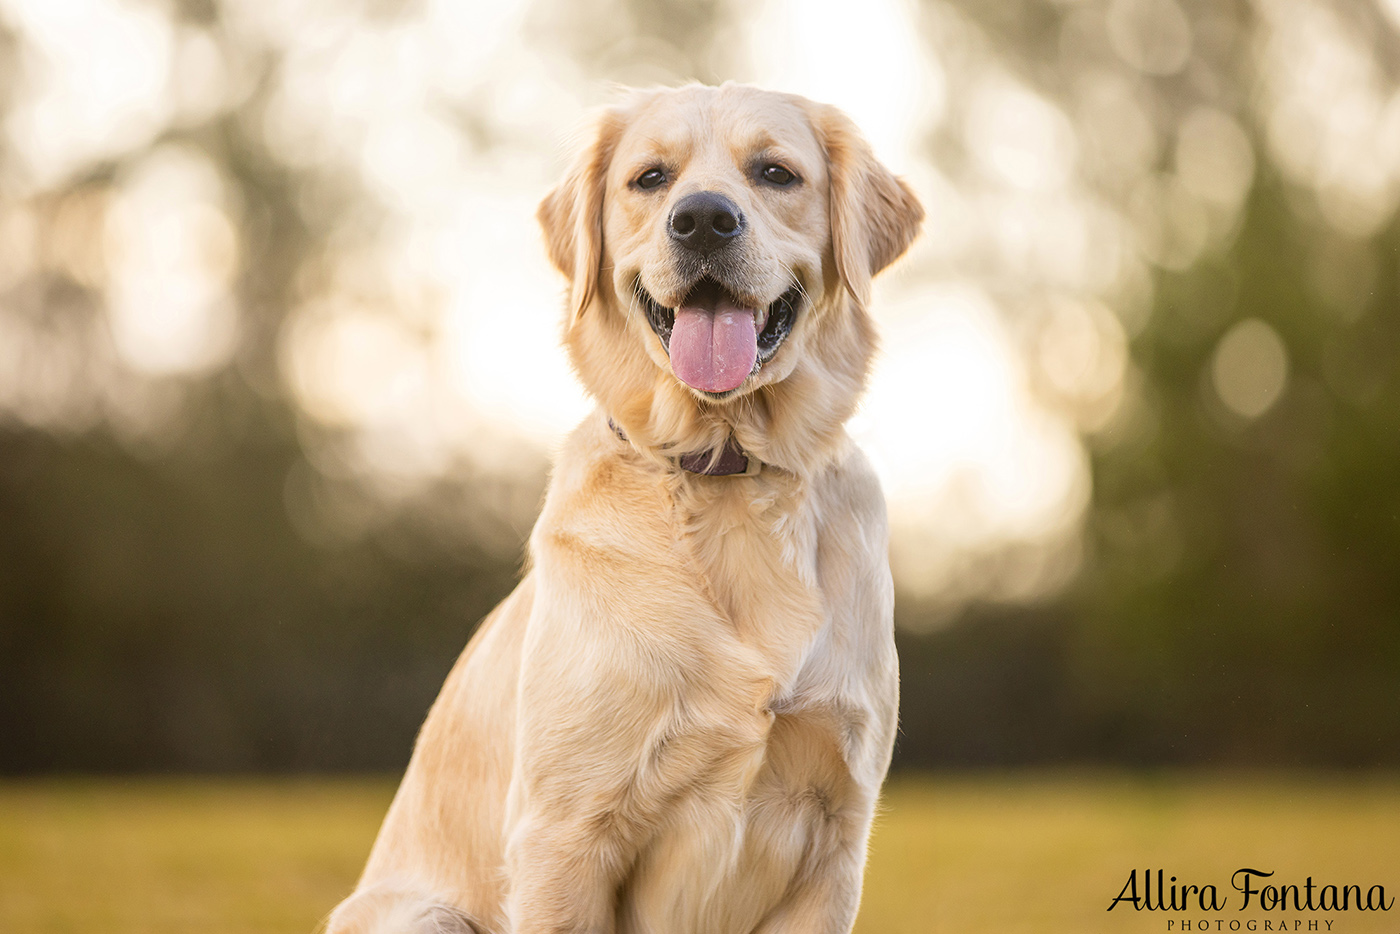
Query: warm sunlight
{"type": "Point", "coordinates": [433, 314]}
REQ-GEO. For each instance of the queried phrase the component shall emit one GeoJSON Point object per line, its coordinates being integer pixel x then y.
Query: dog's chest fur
{"type": "Point", "coordinates": [755, 613]}
{"type": "Point", "coordinates": [753, 546]}
{"type": "Point", "coordinates": [763, 554]}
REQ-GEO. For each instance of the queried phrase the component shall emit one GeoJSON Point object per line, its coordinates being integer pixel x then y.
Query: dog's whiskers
{"type": "Point", "coordinates": [796, 282]}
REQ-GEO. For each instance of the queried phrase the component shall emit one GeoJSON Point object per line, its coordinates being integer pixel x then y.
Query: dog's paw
{"type": "Point", "coordinates": [376, 911]}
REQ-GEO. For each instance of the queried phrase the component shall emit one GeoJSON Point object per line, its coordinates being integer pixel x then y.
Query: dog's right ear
{"type": "Point", "coordinates": [572, 215]}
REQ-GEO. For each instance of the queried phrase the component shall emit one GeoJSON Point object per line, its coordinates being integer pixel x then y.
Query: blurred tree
{"type": "Point", "coordinates": [159, 608]}
{"type": "Point", "coordinates": [190, 578]}
{"type": "Point", "coordinates": [1240, 601]}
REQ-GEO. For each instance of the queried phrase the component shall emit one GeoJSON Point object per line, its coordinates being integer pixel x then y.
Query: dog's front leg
{"type": "Point", "coordinates": [577, 822]}
{"type": "Point", "coordinates": [564, 876]}
{"type": "Point", "coordinates": [628, 703]}
{"type": "Point", "coordinates": [828, 897]}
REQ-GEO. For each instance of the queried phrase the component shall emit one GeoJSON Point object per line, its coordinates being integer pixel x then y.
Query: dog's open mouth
{"type": "Point", "coordinates": [715, 343]}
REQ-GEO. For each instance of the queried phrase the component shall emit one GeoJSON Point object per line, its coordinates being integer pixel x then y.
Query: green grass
{"type": "Point", "coordinates": [963, 855]}
{"type": "Point", "coordinates": [181, 855]}
{"type": "Point", "coordinates": [1035, 853]}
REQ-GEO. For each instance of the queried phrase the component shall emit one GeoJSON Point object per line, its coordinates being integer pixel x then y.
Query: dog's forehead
{"type": "Point", "coordinates": [691, 121]}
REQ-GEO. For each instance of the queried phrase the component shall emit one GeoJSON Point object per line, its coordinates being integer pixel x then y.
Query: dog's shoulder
{"type": "Point", "coordinates": [603, 497]}
{"type": "Point", "coordinates": [849, 487]}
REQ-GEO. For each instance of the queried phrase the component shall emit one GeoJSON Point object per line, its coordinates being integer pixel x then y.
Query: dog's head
{"type": "Point", "coordinates": [719, 244]}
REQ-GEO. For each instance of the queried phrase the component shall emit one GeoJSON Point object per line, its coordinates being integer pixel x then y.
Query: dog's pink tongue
{"type": "Point", "coordinates": [714, 350]}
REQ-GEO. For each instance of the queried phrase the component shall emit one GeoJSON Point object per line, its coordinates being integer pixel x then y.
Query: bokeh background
{"type": "Point", "coordinates": [280, 376]}
{"type": "Point", "coordinates": [279, 364]}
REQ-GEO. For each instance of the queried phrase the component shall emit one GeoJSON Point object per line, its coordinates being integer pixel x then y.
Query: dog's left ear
{"type": "Point", "coordinates": [874, 215]}
{"type": "Point", "coordinates": [572, 215]}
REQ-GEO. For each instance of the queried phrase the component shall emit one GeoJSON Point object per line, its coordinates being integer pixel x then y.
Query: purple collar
{"type": "Point", "coordinates": [730, 462]}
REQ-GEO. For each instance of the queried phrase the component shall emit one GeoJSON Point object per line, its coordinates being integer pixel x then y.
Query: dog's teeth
{"type": "Point", "coordinates": [760, 318]}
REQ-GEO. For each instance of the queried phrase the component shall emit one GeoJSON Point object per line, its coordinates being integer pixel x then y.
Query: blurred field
{"type": "Point", "coordinates": [964, 855]}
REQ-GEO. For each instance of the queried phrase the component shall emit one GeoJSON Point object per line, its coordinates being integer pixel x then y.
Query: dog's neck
{"type": "Point", "coordinates": [730, 460]}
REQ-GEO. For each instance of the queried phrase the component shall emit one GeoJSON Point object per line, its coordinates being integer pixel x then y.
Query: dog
{"type": "Point", "coordinates": [680, 720]}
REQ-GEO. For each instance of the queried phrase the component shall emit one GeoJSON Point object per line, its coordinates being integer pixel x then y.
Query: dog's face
{"type": "Point", "coordinates": [716, 222]}
{"type": "Point", "coordinates": [712, 236]}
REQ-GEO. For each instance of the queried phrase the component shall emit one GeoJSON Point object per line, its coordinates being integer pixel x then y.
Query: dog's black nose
{"type": "Point", "coordinates": [705, 221]}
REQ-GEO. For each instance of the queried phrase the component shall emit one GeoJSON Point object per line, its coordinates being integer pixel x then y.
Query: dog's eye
{"type": "Point", "coordinates": [650, 179]}
{"type": "Point", "coordinates": [777, 175]}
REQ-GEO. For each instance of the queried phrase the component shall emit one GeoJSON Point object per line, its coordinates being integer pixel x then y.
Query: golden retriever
{"type": "Point", "coordinates": [680, 720]}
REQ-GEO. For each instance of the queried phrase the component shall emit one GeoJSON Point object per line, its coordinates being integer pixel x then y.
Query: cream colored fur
{"type": "Point", "coordinates": [679, 721]}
